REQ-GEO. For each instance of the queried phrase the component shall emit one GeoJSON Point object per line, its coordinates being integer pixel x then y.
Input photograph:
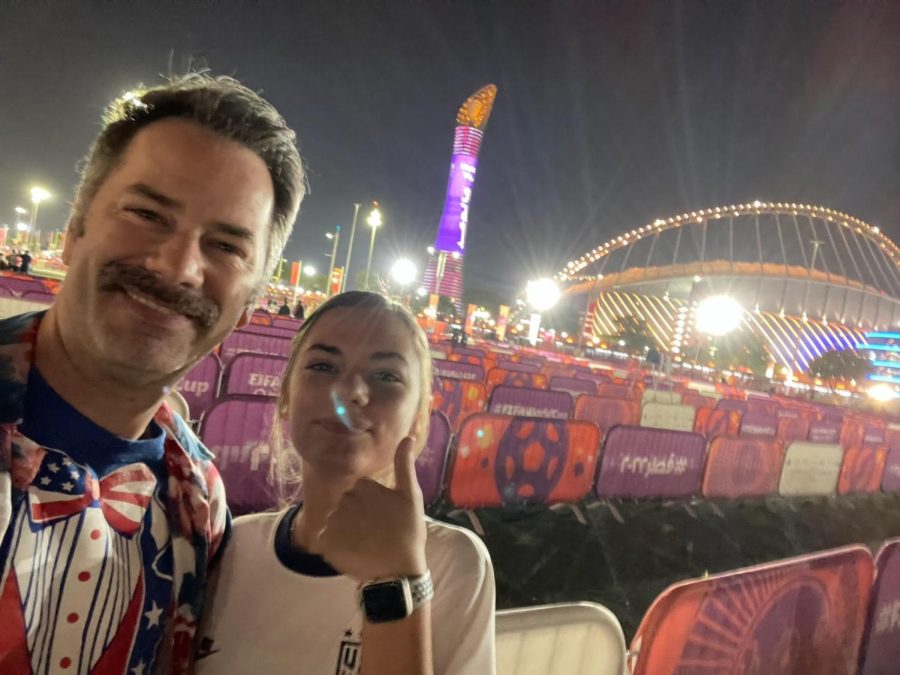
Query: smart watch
{"type": "Point", "coordinates": [387, 600]}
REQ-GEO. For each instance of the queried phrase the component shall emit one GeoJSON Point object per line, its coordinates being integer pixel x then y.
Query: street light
{"type": "Point", "coordinates": [374, 221]}
{"type": "Point", "coordinates": [542, 294]}
{"type": "Point", "coordinates": [38, 194]}
{"type": "Point", "coordinates": [335, 238]}
{"type": "Point", "coordinates": [350, 248]}
{"type": "Point", "coordinates": [719, 315]}
{"type": "Point", "coordinates": [309, 271]}
{"type": "Point", "coordinates": [404, 272]}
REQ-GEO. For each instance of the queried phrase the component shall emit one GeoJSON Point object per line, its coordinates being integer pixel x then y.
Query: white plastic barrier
{"type": "Point", "coordinates": [565, 639]}
{"type": "Point", "coordinates": [11, 306]}
{"type": "Point", "coordinates": [673, 416]}
{"type": "Point", "coordinates": [659, 396]}
{"type": "Point", "coordinates": [810, 469]}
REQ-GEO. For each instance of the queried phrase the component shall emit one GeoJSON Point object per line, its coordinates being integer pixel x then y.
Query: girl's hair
{"type": "Point", "coordinates": [285, 466]}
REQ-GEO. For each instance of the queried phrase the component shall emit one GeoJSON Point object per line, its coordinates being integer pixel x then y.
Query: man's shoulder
{"type": "Point", "coordinates": [19, 328]}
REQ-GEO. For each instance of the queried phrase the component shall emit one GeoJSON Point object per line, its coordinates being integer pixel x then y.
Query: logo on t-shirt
{"type": "Point", "coordinates": [349, 655]}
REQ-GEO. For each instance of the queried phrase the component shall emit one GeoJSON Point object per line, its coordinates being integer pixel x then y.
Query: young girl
{"type": "Point", "coordinates": [355, 579]}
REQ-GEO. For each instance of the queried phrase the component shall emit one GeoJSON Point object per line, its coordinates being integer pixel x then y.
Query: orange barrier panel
{"type": "Point", "coordinates": [800, 616]}
{"type": "Point", "coordinates": [742, 467]}
{"type": "Point", "coordinates": [514, 460]}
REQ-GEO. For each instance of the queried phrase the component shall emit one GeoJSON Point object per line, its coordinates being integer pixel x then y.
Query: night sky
{"type": "Point", "coordinates": [609, 114]}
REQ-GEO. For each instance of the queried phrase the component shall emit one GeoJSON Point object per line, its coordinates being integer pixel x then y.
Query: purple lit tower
{"type": "Point", "coordinates": [444, 273]}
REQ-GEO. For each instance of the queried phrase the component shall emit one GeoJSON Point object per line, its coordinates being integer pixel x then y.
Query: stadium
{"type": "Point", "coordinates": [809, 278]}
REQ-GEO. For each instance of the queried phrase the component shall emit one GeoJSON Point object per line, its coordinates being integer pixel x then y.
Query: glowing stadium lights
{"type": "Point", "coordinates": [719, 315]}
{"type": "Point", "coordinates": [541, 294]}
{"type": "Point", "coordinates": [404, 272]}
{"type": "Point", "coordinates": [882, 393]}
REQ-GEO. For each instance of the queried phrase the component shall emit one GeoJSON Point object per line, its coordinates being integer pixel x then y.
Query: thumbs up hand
{"type": "Point", "coordinates": [378, 532]}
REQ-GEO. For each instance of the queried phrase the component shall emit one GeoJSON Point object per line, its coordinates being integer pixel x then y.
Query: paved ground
{"type": "Point", "coordinates": [545, 556]}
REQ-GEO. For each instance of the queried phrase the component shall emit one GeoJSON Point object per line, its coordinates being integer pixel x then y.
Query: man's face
{"type": "Point", "coordinates": [171, 248]}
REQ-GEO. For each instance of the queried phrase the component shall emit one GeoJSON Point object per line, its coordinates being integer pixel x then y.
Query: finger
{"type": "Point", "coordinates": [405, 467]}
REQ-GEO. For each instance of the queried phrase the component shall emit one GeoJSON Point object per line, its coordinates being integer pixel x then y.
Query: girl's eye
{"type": "Point", "coordinates": [387, 376]}
{"type": "Point", "coordinates": [321, 367]}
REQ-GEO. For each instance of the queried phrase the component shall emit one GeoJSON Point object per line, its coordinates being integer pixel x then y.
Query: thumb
{"type": "Point", "coordinates": [405, 467]}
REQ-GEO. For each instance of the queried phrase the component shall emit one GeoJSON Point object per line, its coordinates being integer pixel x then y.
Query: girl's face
{"type": "Point", "coordinates": [365, 361]}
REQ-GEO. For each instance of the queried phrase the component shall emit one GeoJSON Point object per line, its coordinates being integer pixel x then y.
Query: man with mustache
{"type": "Point", "coordinates": [110, 510]}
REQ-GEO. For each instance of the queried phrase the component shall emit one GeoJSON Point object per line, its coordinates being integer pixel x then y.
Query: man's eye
{"type": "Point", "coordinates": [144, 214]}
{"type": "Point", "coordinates": [230, 249]}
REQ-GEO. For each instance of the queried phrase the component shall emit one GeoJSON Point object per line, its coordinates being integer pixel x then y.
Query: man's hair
{"type": "Point", "coordinates": [224, 106]}
{"type": "Point", "coordinates": [285, 462]}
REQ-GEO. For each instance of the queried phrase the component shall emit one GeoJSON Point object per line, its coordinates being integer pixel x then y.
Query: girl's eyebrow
{"type": "Point", "coordinates": [380, 356]}
{"type": "Point", "coordinates": [328, 349]}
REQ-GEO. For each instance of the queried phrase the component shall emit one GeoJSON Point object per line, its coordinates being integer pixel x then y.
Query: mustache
{"type": "Point", "coordinates": [117, 276]}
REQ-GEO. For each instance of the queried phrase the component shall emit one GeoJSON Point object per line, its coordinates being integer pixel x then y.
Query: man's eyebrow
{"type": "Point", "coordinates": [146, 191]}
{"type": "Point", "coordinates": [154, 195]}
{"type": "Point", "coordinates": [328, 349]}
{"type": "Point", "coordinates": [380, 356]}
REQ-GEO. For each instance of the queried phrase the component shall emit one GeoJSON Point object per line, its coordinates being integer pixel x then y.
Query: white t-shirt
{"type": "Point", "coordinates": [264, 617]}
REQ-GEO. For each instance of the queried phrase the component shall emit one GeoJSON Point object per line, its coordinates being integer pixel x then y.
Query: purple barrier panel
{"type": "Point", "coordinates": [287, 324]}
{"type": "Point", "coordinates": [573, 385]}
{"type": "Point", "coordinates": [596, 378]}
{"type": "Point", "coordinates": [537, 361]}
{"type": "Point", "coordinates": [623, 391]}
{"type": "Point", "coordinates": [762, 406]}
{"type": "Point", "coordinates": [200, 385]}
{"type": "Point", "coordinates": [271, 331]}
{"type": "Point", "coordinates": [469, 351]}
{"type": "Point", "coordinates": [6, 292]}
{"type": "Point", "coordinates": [833, 416]}
{"type": "Point", "coordinates": [19, 286]}
{"type": "Point", "coordinates": [431, 462]}
{"type": "Point", "coordinates": [457, 370]}
{"type": "Point", "coordinates": [39, 296]}
{"type": "Point", "coordinates": [239, 342]}
{"type": "Point", "coordinates": [254, 374]}
{"type": "Point", "coordinates": [238, 432]}
{"type": "Point", "coordinates": [644, 462]}
{"type": "Point", "coordinates": [660, 385]}
{"type": "Point", "coordinates": [825, 432]}
{"type": "Point", "coordinates": [758, 424]}
{"type": "Point", "coordinates": [891, 480]}
{"type": "Point", "coordinates": [527, 402]}
{"type": "Point", "coordinates": [732, 404]}
{"type": "Point", "coordinates": [873, 434]}
{"type": "Point", "coordinates": [880, 652]}
{"type": "Point", "coordinates": [518, 367]}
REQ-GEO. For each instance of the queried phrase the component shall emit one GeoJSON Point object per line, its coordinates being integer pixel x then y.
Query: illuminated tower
{"type": "Point", "coordinates": [444, 273]}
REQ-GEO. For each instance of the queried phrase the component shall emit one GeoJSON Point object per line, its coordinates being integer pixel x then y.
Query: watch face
{"type": "Point", "coordinates": [385, 601]}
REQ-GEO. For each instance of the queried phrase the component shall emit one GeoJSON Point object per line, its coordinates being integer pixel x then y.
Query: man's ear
{"type": "Point", "coordinates": [73, 233]}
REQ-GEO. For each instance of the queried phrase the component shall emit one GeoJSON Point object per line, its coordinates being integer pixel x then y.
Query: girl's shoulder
{"type": "Point", "coordinates": [453, 547]}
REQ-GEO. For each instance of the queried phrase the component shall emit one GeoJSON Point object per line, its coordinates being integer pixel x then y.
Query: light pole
{"type": "Point", "coordinates": [349, 248]}
{"type": "Point", "coordinates": [38, 194]}
{"type": "Point", "coordinates": [374, 221]}
{"type": "Point", "coordinates": [542, 294]}
{"type": "Point", "coordinates": [335, 237]}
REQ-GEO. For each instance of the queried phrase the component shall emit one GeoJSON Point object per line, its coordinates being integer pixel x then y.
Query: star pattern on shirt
{"type": "Point", "coordinates": [67, 486]}
{"type": "Point", "coordinates": [153, 615]}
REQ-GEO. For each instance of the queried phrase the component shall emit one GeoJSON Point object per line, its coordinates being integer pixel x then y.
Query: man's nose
{"type": "Point", "coordinates": [178, 261]}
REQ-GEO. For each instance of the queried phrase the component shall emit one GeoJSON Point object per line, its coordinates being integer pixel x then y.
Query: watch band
{"type": "Point", "coordinates": [421, 589]}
